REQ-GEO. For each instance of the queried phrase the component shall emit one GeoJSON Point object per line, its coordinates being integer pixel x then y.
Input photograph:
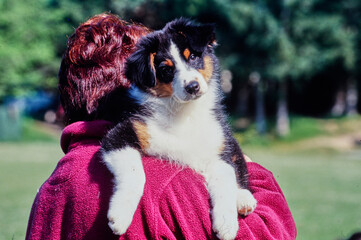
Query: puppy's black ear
{"type": "Point", "coordinates": [199, 36]}
{"type": "Point", "coordinates": [139, 68]}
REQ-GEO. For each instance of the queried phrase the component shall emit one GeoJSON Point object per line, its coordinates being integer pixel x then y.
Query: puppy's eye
{"type": "Point", "coordinates": [166, 70]}
{"type": "Point", "coordinates": [192, 57]}
{"type": "Point", "coordinates": [165, 74]}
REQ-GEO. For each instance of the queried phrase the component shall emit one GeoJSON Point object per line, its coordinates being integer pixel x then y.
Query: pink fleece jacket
{"type": "Point", "coordinates": [73, 202]}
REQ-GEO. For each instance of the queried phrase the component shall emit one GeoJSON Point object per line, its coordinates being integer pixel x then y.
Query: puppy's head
{"type": "Point", "coordinates": [177, 61]}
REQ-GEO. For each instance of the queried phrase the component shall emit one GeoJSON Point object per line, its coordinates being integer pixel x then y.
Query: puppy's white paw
{"type": "Point", "coordinates": [225, 222]}
{"type": "Point", "coordinates": [246, 203]}
{"type": "Point", "coordinates": [120, 214]}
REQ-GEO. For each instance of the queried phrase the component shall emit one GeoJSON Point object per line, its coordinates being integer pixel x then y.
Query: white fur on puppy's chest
{"type": "Point", "coordinates": [193, 138]}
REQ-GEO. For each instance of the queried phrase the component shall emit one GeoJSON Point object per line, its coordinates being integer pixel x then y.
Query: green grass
{"type": "Point", "coordinates": [301, 128]}
{"type": "Point", "coordinates": [23, 168]}
{"type": "Point", "coordinates": [31, 133]}
{"type": "Point", "coordinates": [323, 189]}
{"type": "Point", "coordinates": [322, 185]}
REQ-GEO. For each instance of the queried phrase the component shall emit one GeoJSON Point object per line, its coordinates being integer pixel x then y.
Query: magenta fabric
{"type": "Point", "coordinates": [73, 202]}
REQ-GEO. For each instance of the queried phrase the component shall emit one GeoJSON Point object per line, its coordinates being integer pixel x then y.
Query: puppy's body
{"type": "Point", "coordinates": [179, 118]}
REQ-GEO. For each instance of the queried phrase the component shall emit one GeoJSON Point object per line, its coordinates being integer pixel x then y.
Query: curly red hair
{"type": "Point", "coordinates": [93, 64]}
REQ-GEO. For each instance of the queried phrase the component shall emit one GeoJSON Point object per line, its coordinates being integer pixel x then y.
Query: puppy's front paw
{"type": "Point", "coordinates": [246, 203]}
{"type": "Point", "coordinates": [225, 223]}
{"type": "Point", "coordinates": [120, 214]}
{"type": "Point", "coordinates": [119, 219]}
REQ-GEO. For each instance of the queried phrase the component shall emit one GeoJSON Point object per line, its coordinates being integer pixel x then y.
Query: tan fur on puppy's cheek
{"type": "Point", "coordinates": [221, 148]}
{"type": "Point", "coordinates": [152, 55]}
{"type": "Point", "coordinates": [142, 134]}
{"type": "Point", "coordinates": [207, 71]}
{"type": "Point", "coordinates": [162, 89]}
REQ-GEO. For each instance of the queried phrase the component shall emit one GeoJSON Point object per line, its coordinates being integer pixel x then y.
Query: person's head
{"type": "Point", "coordinates": [92, 66]}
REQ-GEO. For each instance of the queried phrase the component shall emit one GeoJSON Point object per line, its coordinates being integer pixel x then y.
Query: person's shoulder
{"type": "Point", "coordinates": [164, 177]}
{"type": "Point", "coordinates": [178, 197]}
{"type": "Point", "coordinates": [257, 171]}
{"type": "Point", "coordinates": [76, 163]}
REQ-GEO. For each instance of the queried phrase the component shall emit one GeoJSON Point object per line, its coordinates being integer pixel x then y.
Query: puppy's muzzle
{"type": "Point", "coordinates": [192, 88]}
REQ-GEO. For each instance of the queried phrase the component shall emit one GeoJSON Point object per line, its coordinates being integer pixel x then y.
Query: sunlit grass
{"type": "Point", "coordinates": [323, 189]}
{"type": "Point", "coordinates": [31, 131]}
{"type": "Point", "coordinates": [302, 128]}
{"type": "Point", "coordinates": [23, 167]}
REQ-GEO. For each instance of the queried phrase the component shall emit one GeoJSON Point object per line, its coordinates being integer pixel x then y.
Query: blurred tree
{"type": "Point", "coordinates": [342, 32]}
{"type": "Point", "coordinates": [288, 40]}
{"type": "Point", "coordinates": [350, 10]}
{"type": "Point", "coordinates": [33, 36]}
{"type": "Point", "coordinates": [285, 41]}
{"type": "Point", "coordinates": [74, 12]}
{"type": "Point", "coordinates": [27, 50]}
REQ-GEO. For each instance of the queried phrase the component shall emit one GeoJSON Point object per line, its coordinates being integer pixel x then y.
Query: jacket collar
{"type": "Point", "coordinates": [80, 131]}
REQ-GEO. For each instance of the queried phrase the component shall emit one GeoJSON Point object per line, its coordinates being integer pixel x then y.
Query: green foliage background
{"type": "Point", "coordinates": [283, 40]}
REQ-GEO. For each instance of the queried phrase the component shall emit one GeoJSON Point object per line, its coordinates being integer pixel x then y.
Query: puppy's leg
{"type": "Point", "coordinates": [124, 161]}
{"type": "Point", "coordinates": [129, 180]}
{"type": "Point", "coordinates": [246, 203]}
{"type": "Point", "coordinates": [222, 187]}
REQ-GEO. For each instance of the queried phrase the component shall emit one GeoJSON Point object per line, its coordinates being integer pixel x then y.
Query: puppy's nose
{"type": "Point", "coordinates": [193, 87]}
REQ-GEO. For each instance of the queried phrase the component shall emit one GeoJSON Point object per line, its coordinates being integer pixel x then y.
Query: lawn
{"type": "Point", "coordinates": [323, 189]}
{"type": "Point", "coordinates": [322, 185]}
{"type": "Point", "coordinates": [23, 168]}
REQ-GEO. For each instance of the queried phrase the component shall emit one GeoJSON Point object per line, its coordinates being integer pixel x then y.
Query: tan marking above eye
{"type": "Point", "coordinates": [207, 71]}
{"type": "Point", "coordinates": [186, 53]}
{"type": "Point", "coordinates": [142, 134]}
{"type": "Point", "coordinates": [168, 62]}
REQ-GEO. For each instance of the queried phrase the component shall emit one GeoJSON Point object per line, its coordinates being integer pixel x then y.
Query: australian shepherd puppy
{"type": "Point", "coordinates": [178, 117]}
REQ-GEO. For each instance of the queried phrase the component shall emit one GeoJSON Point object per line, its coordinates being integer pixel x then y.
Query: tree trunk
{"type": "Point", "coordinates": [283, 123]}
{"type": "Point", "coordinates": [242, 102]}
{"type": "Point", "coordinates": [255, 79]}
{"type": "Point", "coordinates": [346, 100]}
{"type": "Point", "coordinates": [351, 98]}
{"type": "Point", "coordinates": [339, 107]}
{"type": "Point", "coordinates": [358, 84]}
